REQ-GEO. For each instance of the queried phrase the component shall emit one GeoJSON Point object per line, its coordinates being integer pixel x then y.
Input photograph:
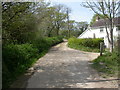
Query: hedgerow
{"type": "Point", "coordinates": [87, 44]}
{"type": "Point", "coordinates": [17, 58]}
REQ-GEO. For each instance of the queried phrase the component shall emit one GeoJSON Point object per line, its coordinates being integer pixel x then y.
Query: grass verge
{"type": "Point", "coordinates": [107, 65]}
{"type": "Point", "coordinates": [83, 48]}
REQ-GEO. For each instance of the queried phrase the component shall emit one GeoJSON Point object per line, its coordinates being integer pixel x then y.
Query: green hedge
{"type": "Point", "coordinates": [18, 58]}
{"type": "Point", "coordinates": [93, 43]}
{"type": "Point", "coordinates": [85, 44]}
{"type": "Point", "coordinates": [46, 43]}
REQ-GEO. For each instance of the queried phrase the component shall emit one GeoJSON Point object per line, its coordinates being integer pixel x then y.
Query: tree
{"type": "Point", "coordinates": [16, 21]}
{"type": "Point", "coordinates": [23, 22]}
{"type": "Point", "coordinates": [47, 23]}
{"type": "Point", "coordinates": [109, 9]}
{"type": "Point", "coordinates": [71, 27]}
{"type": "Point", "coordinates": [82, 26]}
{"type": "Point", "coordinates": [52, 20]}
{"type": "Point", "coordinates": [60, 16]}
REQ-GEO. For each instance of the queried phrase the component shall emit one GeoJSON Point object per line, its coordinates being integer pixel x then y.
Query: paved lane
{"type": "Point", "coordinates": [63, 67]}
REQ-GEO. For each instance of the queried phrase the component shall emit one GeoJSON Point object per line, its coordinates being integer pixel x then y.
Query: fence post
{"type": "Point", "coordinates": [101, 48]}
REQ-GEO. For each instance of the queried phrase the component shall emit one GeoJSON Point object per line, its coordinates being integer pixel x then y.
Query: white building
{"type": "Point", "coordinates": [97, 30]}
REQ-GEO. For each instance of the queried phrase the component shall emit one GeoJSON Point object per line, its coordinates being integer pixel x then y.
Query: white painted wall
{"type": "Point", "coordinates": [91, 32]}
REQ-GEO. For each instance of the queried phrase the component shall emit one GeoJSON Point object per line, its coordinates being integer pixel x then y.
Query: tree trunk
{"type": "Point", "coordinates": [111, 48]}
{"type": "Point", "coordinates": [57, 32]}
{"type": "Point", "coordinates": [49, 35]}
{"type": "Point", "coordinates": [58, 28]}
{"type": "Point", "coordinates": [111, 36]}
{"type": "Point", "coordinates": [69, 33]}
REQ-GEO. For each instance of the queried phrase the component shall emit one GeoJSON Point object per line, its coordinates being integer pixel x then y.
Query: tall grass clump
{"type": "Point", "coordinates": [107, 64]}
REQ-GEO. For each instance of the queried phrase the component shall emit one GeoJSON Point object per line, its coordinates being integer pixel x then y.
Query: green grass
{"type": "Point", "coordinates": [83, 48]}
{"type": "Point", "coordinates": [107, 65]}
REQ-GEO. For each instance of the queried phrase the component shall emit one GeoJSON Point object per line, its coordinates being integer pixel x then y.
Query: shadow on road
{"type": "Point", "coordinates": [62, 67]}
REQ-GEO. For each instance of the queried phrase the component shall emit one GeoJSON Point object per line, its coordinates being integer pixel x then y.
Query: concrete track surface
{"type": "Point", "coordinates": [63, 67]}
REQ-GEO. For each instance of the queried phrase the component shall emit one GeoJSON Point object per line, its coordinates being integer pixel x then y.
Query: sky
{"type": "Point", "coordinates": [78, 12]}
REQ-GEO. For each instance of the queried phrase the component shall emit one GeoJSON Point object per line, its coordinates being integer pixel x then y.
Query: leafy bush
{"type": "Point", "coordinates": [85, 44]}
{"type": "Point", "coordinates": [92, 43]}
{"type": "Point", "coordinates": [45, 43]}
{"type": "Point", "coordinates": [19, 57]}
{"type": "Point", "coordinates": [41, 44]}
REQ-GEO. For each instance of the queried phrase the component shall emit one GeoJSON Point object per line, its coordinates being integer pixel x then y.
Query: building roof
{"type": "Point", "coordinates": [101, 22]}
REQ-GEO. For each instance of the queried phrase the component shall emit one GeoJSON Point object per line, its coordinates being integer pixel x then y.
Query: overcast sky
{"type": "Point", "coordinates": [78, 13]}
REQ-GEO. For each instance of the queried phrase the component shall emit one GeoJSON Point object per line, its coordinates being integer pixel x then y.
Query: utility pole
{"type": "Point", "coordinates": [68, 23]}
